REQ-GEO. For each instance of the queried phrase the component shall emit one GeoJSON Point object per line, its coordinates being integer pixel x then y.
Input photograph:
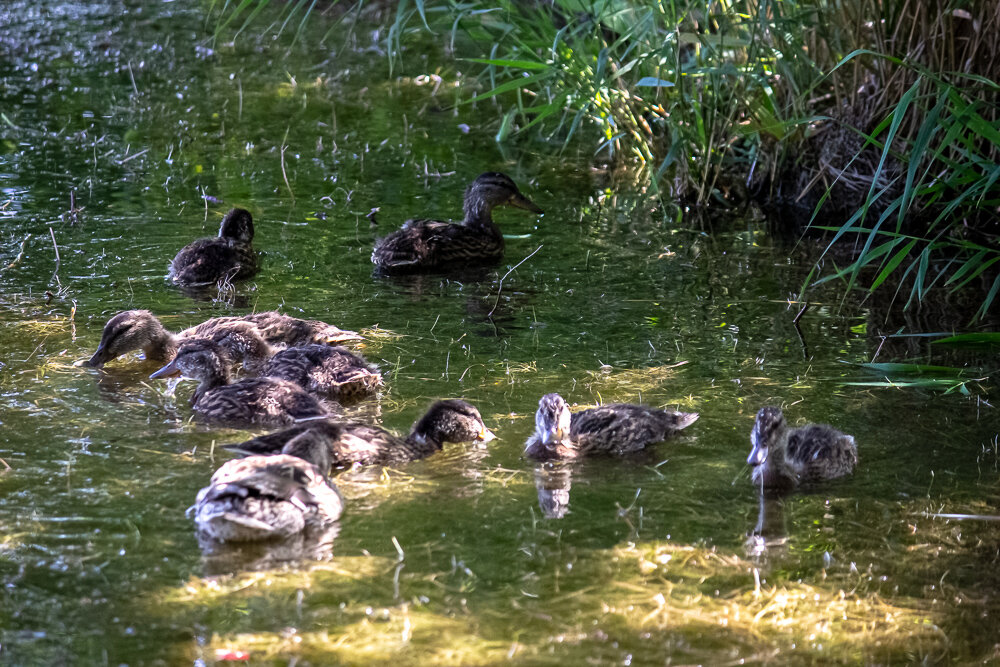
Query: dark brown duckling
{"type": "Point", "coordinates": [334, 372]}
{"type": "Point", "coordinates": [229, 256]}
{"type": "Point", "coordinates": [422, 244]}
{"type": "Point", "coordinates": [618, 428]}
{"type": "Point", "coordinates": [258, 401]}
{"type": "Point", "coordinates": [132, 330]}
{"type": "Point", "coordinates": [353, 443]}
{"type": "Point", "coordinates": [270, 497]}
{"type": "Point", "coordinates": [783, 457]}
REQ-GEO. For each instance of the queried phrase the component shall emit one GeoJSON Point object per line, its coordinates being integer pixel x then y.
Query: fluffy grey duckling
{"type": "Point", "coordinates": [618, 428]}
{"type": "Point", "coordinates": [423, 244]}
{"type": "Point", "coordinates": [784, 457]}
{"type": "Point", "coordinates": [362, 444]}
{"type": "Point", "coordinates": [132, 330]}
{"type": "Point", "coordinates": [260, 401]}
{"type": "Point", "coordinates": [270, 497]}
{"type": "Point", "coordinates": [229, 256]}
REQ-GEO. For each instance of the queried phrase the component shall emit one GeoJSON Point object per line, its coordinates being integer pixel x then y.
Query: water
{"type": "Point", "coordinates": [451, 560]}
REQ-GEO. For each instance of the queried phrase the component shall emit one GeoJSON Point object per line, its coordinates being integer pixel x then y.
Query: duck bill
{"type": "Point", "coordinates": [757, 456]}
{"type": "Point", "coordinates": [168, 371]}
{"type": "Point", "coordinates": [520, 201]}
{"type": "Point", "coordinates": [485, 435]}
{"type": "Point", "coordinates": [98, 360]}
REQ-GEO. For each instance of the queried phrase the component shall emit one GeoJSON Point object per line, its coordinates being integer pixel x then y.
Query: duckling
{"type": "Point", "coordinates": [355, 443]}
{"type": "Point", "coordinates": [270, 497]}
{"type": "Point", "coordinates": [431, 244]}
{"type": "Point", "coordinates": [141, 330]}
{"type": "Point", "coordinates": [618, 428]}
{"type": "Point", "coordinates": [261, 401]}
{"type": "Point", "coordinates": [229, 256]}
{"type": "Point", "coordinates": [334, 372]}
{"type": "Point", "coordinates": [783, 457]}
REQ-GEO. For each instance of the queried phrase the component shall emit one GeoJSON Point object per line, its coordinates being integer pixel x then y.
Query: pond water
{"type": "Point", "coordinates": [451, 560]}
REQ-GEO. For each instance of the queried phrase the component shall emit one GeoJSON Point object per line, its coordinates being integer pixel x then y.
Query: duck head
{"type": "Point", "coordinates": [552, 421]}
{"type": "Point", "coordinates": [494, 189]}
{"type": "Point", "coordinates": [199, 359]}
{"type": "Point", "coordinates": [767, 431]}
{"type": "Point", "coordinates": [128, 331]}
{"type": "Point", "coordinates": [237, 225]}
{"type": "Point", "coordinates": [452, 421]}
{"type": "Point", "coordinates": [314, 445]}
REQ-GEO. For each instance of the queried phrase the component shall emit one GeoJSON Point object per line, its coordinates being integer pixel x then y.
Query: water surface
{"type": "Point", "coordinates": [475, 556]}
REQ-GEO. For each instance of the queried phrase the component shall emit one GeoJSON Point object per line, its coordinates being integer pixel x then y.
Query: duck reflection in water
{"type": "Point", "coordinates": [553, 482]}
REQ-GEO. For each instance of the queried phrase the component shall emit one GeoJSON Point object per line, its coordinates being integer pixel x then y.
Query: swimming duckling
{"type": "Point", "coordinates": [431, 244]}
{"type": "Point", "coordinates": [229, 256]}
{"type": "Point", "coordinates": [355, 443]}
{"type": "Point", "coordinates": [618, 428]}
{"type": "Point", "coordinates": [270, 497]}
{"type": "Point", "coordinates": [141, 330]}
{"type": "Point", "coordinates": [334, 372]}
{"type": "Point", "coordinates": [783, 457]}
{"type": "Point", "coordinates": [261, 401]}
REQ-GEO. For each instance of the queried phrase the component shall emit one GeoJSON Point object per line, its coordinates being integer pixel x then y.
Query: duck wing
{"type": "Point", "coordinates": [204, 262]}
{"type": "Point", "coordinates": [427, 244]}
{"type": "Point", "coordinates": [618, 428]}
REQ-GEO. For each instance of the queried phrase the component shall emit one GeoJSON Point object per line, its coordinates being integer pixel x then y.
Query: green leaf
{"type": "Point", "coordinates": [502, 62]}
{"type": "Point", "coordinates": [978, 338]}
{"type": "Point", "coordinates": [892, 264]}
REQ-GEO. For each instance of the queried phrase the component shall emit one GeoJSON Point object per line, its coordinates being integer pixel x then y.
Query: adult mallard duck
{"type": "Point", "coordinates": [261, 401]}
{"type": "Point", "coordinates": [431, 244]}
{"type": "Point", "coordinates": [784, 457]}
{"type": "Point", "coordinates": [362, 444]}
{"type": "Point", "coordinates": [270, 497]}
{"type": "Point", "coordinates": [618, 428]}
{"type": "Point", "coordinates": [229, 256]}
{"type": "Point", "coordinates": [132, 330]}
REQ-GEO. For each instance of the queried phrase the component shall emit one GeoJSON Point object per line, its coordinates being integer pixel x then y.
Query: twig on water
{"type": "Point", "coordinates": [132, 76]}
{"type": "Point", "coordinates": [6, 465]}
{"type": "Point", "coordinates": [53, 235]}
{"type": "Point", "coordinates": [133, 156]}
{"type": "Point", "coordinates": [20, 255]}
{"type": "Point", "coordinates": [802, 338]}
{"type": "Point", "coordinates": [284, 174]}
{"type": "Point", "coordinates": [500, 286]}
{"type": "Point", "coordinates": [802, 311]}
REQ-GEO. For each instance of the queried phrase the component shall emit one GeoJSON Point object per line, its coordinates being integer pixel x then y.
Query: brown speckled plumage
{"type": "Point", "coordinates": [270, 497]}
{"type": "Point", "coordinates": [334, 372]}
{"type": "Point", "coordinates": [229, 256]}
{"type": "Point", "coordinates": [132, 330]}
{"type": "Point", "coordinates": [432, 244]}
{"type": "Point", "coordinates": [255, 401]}
{"type": "Point", "coordinates": [784, 457]}
{"type": "Point", "coordinates": [617, 429]}
{"type": "Point", "coordinates": [362, 444]}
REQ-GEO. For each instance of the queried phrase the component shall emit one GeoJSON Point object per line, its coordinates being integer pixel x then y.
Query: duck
{"type": "Point", "coordinates": [423, 245]}
{"type": "Point", "coordinates": [617, 428]}
{"type": "Point", "coordinates": [782, 458]}
{"type": "Point", "coordinates": [333, 372]}
{"type": "Point", "coordinates": [272, 497]}
{"type": "Point", "coordinates": [227, 257]}
{"type": "Point", "coordinates": [259, 401]}
{"type": "Point", "coordinates": [356, 443]}
{"type": "Point", "coordinates": [132, 330]}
